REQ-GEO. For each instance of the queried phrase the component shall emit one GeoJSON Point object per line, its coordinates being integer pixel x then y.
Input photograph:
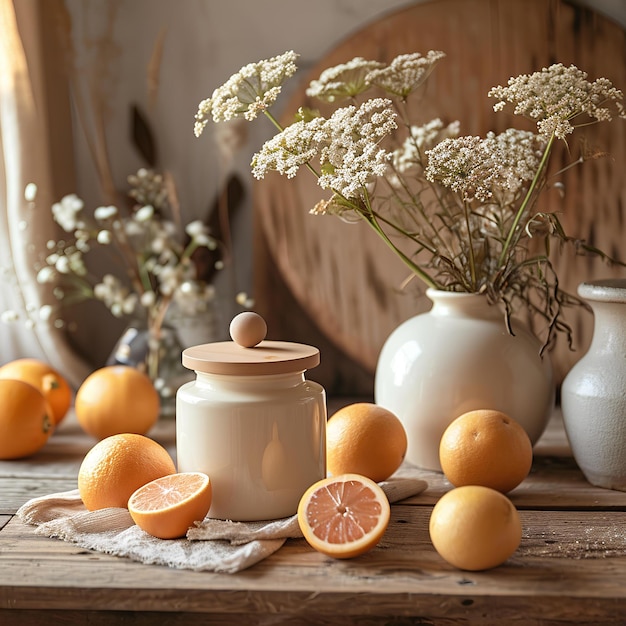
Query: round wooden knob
{"type": "Point", "coordinates": [248, 329]}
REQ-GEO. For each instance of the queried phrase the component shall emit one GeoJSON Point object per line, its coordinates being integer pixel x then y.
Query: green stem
{"type": "Point", "coordinates": [372, 221]}
{"type": "Point", "coordinates": [472, 261]}
{"type": "Point", "coordinates": [399, 229]}
{"type": "Point", "coordinates": [272, 119]}
{"type": "Point", "coordinates": [526, 201]}
{"type": "Point", "coordinates": [416, 269]}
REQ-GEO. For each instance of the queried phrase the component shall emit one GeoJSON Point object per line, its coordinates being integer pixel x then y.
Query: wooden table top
{"type": "Point", "coordinates": [569, 568]}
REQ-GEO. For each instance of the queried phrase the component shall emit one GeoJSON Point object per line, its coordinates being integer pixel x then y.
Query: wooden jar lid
{"type": "Point", "coordinates": [240, 358]}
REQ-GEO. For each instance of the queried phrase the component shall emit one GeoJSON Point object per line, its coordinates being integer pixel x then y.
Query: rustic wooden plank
{"type": "Point", "coordinates": [569, 566]}
{"type": "Point", "coordinates": [477, 614]}
{"type": "Point", "coordinates": [554, 482]}
{"type": "Point", "coordinates": [16, 490]}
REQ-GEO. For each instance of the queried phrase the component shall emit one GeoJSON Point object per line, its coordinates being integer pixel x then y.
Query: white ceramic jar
{"type": "Point", "coordinates": [593, 394]}
{"type": "Point", "coordinates": [254, 424]}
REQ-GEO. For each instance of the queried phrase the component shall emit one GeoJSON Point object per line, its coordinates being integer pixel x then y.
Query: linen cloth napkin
{"type": "Point", "coordinates": [211, 545]}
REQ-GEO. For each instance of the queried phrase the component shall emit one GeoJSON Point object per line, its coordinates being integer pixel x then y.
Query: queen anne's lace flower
{"type": "Point", "coordinates": [248, 92]}
{"type": "Point", "coordinates": [287, 151]}
{"type": "Point", "coordinates": [497, 166]}
{"type": "Point", "coordinates": [420, 139]}
{"type": "Point", "coordinates": [405, 73]}
{"type": "Point", "coordinates": [353, 156]}
{"type": "Point", "coordinates": [556, 95]}
{"type": "Point", "coordinates": [343, 81]}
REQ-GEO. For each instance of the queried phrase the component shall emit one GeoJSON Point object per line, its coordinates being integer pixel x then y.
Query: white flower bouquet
{"type": "Point", "coordinates": [460, 211]}
{"type": "Point", "coordinates": [153, 257]}
{"type": "Point", "coordinates": [148, 260]}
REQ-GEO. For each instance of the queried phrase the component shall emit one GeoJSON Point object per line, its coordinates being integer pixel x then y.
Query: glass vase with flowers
{"type": "Point", "coordinates": [149, 271]}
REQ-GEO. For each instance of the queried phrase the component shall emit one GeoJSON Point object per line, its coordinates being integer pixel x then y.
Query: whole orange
{"type": "Point", "coordinates": [117, 466]}
{"type": "Point", "coordinates": [117, 399]}
{"type": "Point", "coordinates": [475, 528]}
{"type": "Point", "coordinates": [25, 425]}
{"type": "Point", "coordinates": [365, 439]}
{"type": "Point", "coordinates": [487, 448]}
{"type": "Point", "coordinates": [52, 385]}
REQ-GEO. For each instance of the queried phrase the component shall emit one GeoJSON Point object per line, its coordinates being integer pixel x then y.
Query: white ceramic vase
{"type": "Point", "coordinates": [459, 357]}
{"type": "Point", "coordinates": [593, 394]}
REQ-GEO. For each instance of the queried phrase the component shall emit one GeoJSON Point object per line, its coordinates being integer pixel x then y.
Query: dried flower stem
{"type": "Point", "coordinates": [522, 209]}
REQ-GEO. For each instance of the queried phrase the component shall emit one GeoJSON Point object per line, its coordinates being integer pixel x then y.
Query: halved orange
{"type": "Point", "coordinates": [168, 506]}
{"type": "Point", "coordinates": [344, 516]}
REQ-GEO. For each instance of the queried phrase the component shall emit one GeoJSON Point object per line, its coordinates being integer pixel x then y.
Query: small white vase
{"type": "Point", "coordinates": [459, 357]}
{"type": "Point", "coordinates": [593, 394]}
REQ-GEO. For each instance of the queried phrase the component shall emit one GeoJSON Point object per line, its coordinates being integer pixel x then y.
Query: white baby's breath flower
{"type": "Point", "coordinates": [104, 237]}
{"type": "Point", "coordinates": [129, 303]}
{"type": "Point", "coordinates": [133, 228]}
{"type": "Point", "coordinates": [30, 192]}
{"type": "Point", "coordinates": [169, 279]}
{"type": "Point", "coordinates": [196, 228]}
{"type": "Point", "coordinates": [159, 243]}
{"type": "Point", "coordinates": [65, 213]}
{"type": "Point", "coordinates": [243, 299]}
{"type": "Point", "coordinates": [77, 263]}
{"type": "Point", "coordinates": [62, 265]}
{"type": "Point", "coordinates": [9, 316]}
{"type": "Point", "coordinates": [103, 213]}
{"type": "Point", "coordinates": [205, 241]}
{"type": "Point", "coordinates": [45, 275]}
{"type": "Point", "coordinates": [83, 245]}
{"type": "Point", "coordinates": [144, 214]}
{"type": "Point", "coordinates": [147, 299]}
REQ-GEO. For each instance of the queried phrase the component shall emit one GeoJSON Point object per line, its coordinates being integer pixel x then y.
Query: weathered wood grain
{"type": "Point", "coordinates": [555, 482]}
{"type": "Point", "coordinates": [402, 577]}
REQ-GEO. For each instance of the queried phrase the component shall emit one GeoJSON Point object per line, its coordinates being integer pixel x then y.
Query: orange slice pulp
{"type": "Point", "coordinates": [344, 516]}
{"type": "Point", "coordinates": [168, 506]}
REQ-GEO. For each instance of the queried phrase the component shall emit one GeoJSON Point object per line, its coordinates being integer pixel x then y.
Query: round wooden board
{"type": "Point", "coordinates": [342, 274]}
